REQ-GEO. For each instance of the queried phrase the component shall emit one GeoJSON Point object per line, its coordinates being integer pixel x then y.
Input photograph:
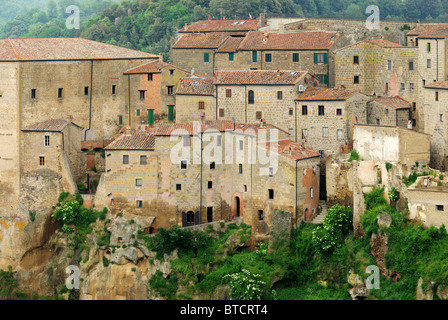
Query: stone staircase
{"type": "Point", "coordinates": [321, 216]}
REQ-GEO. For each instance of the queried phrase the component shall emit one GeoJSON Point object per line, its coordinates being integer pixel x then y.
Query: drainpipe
{"type": "Point", "coordinates": [245, 104]}
{"type": "Point", "coordinates": [200, 188]}
{"type": "Point", "coordinates": [91, 94]}
{"type": "Point", "coordinates": [216, 90]}
{"type": "Point", "coordinates": [437, 55]}
{"type": "Point", "coordinates": [295, 116]}
{"type": "Point", "coordinates": [297, 161]}
{"type": "Point", "coordinates": [129, 99]}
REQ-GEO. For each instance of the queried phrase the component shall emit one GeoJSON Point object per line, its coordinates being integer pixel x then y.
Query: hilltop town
{"type": "Point", "coordinates": [264, 122]}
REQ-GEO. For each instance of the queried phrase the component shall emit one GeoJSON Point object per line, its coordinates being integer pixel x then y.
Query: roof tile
{"type": "Point", "coordinates": [261, 77]}
{"type": "Point", "coordinates": [196, 86]}
{"type": "Point", "coordinates": [319, 93]}
{"type": "Point", "coordinates": [221, 25]}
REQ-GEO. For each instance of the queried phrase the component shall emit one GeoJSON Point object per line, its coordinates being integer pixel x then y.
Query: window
{"type": "Point", "coordinates": [209, 214]}
{"type": "Point", "coordinates": [142, 94]}
{"type": "Point", "coordinates": [245, 188]}
{"type": "Point", "coordinates": [170, 90]}
{"type": "Point", "coordinates": [321, 110]}
{"type": "Point", "coordinates": [42, 161]}
{"type": "Point", "coordinates": [402, 87]}
{"type": "Point", "coordinates": [143, 160]}
{"type": "Point", "coordinates": [231, 56]}
{"type": "Point", "coordinates": [314, 168]}
{"type": "Point", "coordinates": [178, 186]}
{"type": "Point", "coordinates": [206, 57]}
{"type": "Point", "coordinates": [212, 165]}
{"type": "Point", "coordinates": [258, 115]}
{"type": "Point", "coordinates": [240, 168]}
{"type": "Point", "coordinates": [186, 140]}
{"type": "Point", "coordinates": [295, 57]}
{"type": "Point", "coordinates": [441, 117]}
{"type": "Point", "coordinates": [228, 93]}
{"type": "Point", "coordinates": [171, 72]}
{"type": "Point", "coordinates": [304, 133]}
{"type": "Point", "coordinates": [210, 184]}
{"type": "Point", "coordinates": [241, 145]}
{"type": "Point", "coordinates": [183, 164]}
{"type": "Point", "coordinates": [411, 87]}
{"type": "Point", "coordinates": [311, 193]}
{"type": "Point", "coordinates": [271, 171]}
{"type": "Point", "coordinates": [279, 95]}
{"type": "Point", "coordinates": [325, 132]}
{"type": "Point", "coordinates": [320, 58]}
{"type": "Point", "coordinates": [86, 91]}
{"type": "Point", "coordinates": [437, 96]}
{"type": "Point", "coordinates": [424, 82]}
{"type": "Point", "coordinates": [254, 56]}
{"type": "Point", "coordinates": [260, 215]}
{"type": "Point", "coordinates": [138, 182]}
{"type": "Point", "coordinates": [340, 134]}
{"type": "Point", "coordinates": [387, 87]}
{"type": "Point", "coordinates": [304, 110]}
{"type": "Point", "coordinates": [291, 112]}
{"type": "Point", "coordinates": [125, 159]}
{"type": "Point", "coordinates": [271, 193]}
{"type": "Point", "coordinates": [355, 59]}
{"type": "Point", "coordinates": [60, 91]}
{"type": "Point", "coordinates": [428, 63]}
{"type": "Point", "coordinates": [201, 105]}
{"type": "Point", "coordinates": [149, 76]}
{"type": "Point", "coordinates": [251, 97]}
{"type": "Point", "coordinates": [221, 113]}
{"type": "Point", "coordinates": [411, 65]}
{"type": "Point", "coordinates": [137, 112]}
{"type": "Point", "coordinates": [356, 79]}
{"type": "Point", "coordinates": [322, 155]}
{"type": "Point", "coordinates": [428, 47]}
{"type": "Point", "coordinates": [339, 112]}
{"type": "Point", "coordinates": [387, 111]}
{"type": "Point", "coordinates": [114, 89]}
{"type": "Point", "coordinates": [378, 121]}
{"type": "Point", "coordinates": [414, 106]}
{"type": "Point", "coordinates": [120, 119]}
{"type": "Point", "coordinates": [268, 57]}
{"type": "Point", "coordinates": [304, 171]}
{"type": "Point", "coordinates": [291, 131]}
{"type": "Point", "coordinates": [47, 141]}
{"type": "Point", "coordinates": [139, 203]}
{"type": "Point", "coordinates": [218, 141]}
{"type": "Point", "coordinates": [33, 93]}
{"type": "Point", "coordinates": [389, 64]}
{"type": "Point", "coordinates": [439, 207]}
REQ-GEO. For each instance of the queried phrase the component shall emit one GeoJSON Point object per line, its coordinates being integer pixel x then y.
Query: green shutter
{"type": "Point", "coordinates": [206, 57]}
{"type": "Point", "coordinates": [325, 58]}
{"type": "Point", "coordinates": [325, 79]}
{"type": "Point", "coordinates": [138, 112]}
{"type": "Point", "coordinates": [150, 116]}
{"type": "Point", "coordinates": [315, 58]}
{"type": "Point", "coordinates": [295, 57]}
{"type": "Point", "coordinates": [231, 56]}
{"type": "Point", "coordinates": [170, 113]}
{"type": "Point", "coordinates": [120, 119]}
{"type": "Point", "coordinates": [254, 56]}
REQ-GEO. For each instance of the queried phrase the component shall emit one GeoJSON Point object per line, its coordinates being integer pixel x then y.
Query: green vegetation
{"type": "Point", "coordinates": [354, 156]}
{"type": "Point", "coordinates": [32, 215]}
{"type": "Point", "coordinates": [388, 166]}
{"type": "Point", "coordinates": [393, 194]}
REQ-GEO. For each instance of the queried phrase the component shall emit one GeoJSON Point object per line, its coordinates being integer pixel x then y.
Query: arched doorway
{"type": "Point", "coordinates": [236, 206]}
{"type": "Point", "coordinates": [308, 215]}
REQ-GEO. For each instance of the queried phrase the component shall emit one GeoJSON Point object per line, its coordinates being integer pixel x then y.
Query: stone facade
{"type": "Point", "coordinates": [429, 205]}
{"type": "Point", "coordinates": [388, 114]}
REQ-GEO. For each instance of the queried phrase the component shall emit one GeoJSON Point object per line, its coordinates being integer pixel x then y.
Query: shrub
{"type": "Point", "coordinates": [441, 177]}
{"type": "Point", "coordinates": [393, 194]}
{"type": "Point", "coordinates": [8, 284]}
{"type": "Point", "coordinates": [165, 287]}
{"type": "Point", "coordinates": [388, 166]}
{"type": "Point", "coordinates": [32, 215]}
{"type": "Point", "coordinates": [353, 156]}
{"type": "Point", "coordinates": [245, 285]}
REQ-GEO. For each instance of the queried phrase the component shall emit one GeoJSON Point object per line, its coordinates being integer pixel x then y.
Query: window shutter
{"type": "Point", "coordinates": [325, 58]}
{"type": "Point", "coordinates": [315, 58]}
{"type": "Point", "coordinates": [196, 218]}
{"type": "Point", "coordinates": [184, 219]}
{"type": "Point", "coordinates": [325, 78]}
{"type": "Point", "coordinates": [170, 113]}
{"type": "Point", "coordinates": [150, 116]}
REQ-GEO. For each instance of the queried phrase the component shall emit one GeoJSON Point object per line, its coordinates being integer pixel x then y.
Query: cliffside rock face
{"type": "Point", "coordinates": [424, 294]}
{"type": "Point", "coordinates": [359, 290]}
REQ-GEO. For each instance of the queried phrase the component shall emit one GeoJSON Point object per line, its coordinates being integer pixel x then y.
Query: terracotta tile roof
{"type": "Point", "coordinates": [133, 140]}
{"type": "Point", "coordinates": [438, 85]}
{"type": "Point", "coordinates": [393, 102]}
{"type": "Point", "coordinates": [306, 40]}
{"type": "Point", "coordinates": [196, 86]}
{"type": "Point", "coordinates": [153, 67]}
{"type": "Point", "coordinates": [439, 30]}
{"type": "Point", "coordinates": [190, 128]}
{"type": "Point", "coordinates": [29, 49]}
{"type": "Point", "coordinates": [319, 93]}
{"type": "Point", "coordinates": [290, 149]}
{"type": "Point", "coordinates": [91, 145]}
{"type": "Point", "coordinates": [261, 77]}
{"type": "Point", "coordinates": [48, 125]}
{"type": "Point", "coordinates": [231, 44]}
{"type": "Point", "coordinates": [201, 41]}
{"type": "Point", "coordinates": [221, 25]}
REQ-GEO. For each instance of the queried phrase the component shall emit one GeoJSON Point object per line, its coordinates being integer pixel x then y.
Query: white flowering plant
{"type": "Point", "coordinates": [245, 285]}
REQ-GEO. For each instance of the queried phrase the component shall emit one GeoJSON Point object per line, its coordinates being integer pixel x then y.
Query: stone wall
{"type": "Point", "coordinates": [187, 108]}
{"type": "Point", "coordinates": [194, 58]}
{"type": "Point", "coordinates": [387, 116]}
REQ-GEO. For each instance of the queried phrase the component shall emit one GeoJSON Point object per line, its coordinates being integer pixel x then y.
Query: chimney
{"type": "Point", "coordinates": [69, 118]}
{"type": "Point", "coordinates": [262, 123]}
{"type": "Point", "coordinates": [304, 143]}
{"type": "Point", "coordinates": [185, 27]}
{"type": "Point", "coordinates": [382, 37]}
{"type": "Point", "coordinates": [192, 72]}
{"type": "Point", "coordinates": [128, 131]}
{"type": "Point", "coordinates": [160, 57]}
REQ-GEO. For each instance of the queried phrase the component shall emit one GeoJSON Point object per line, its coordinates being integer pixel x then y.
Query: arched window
{"type": "Point", "coordinates": [251, 97]}
{"type": "Point", "coordinates": [311, 193]}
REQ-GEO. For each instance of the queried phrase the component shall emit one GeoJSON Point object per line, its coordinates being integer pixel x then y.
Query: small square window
{"type": "Point", "coordinates": [240, 168]}
{"type": "Point", "coordinates": [271, 193]}
{"type": "Point", "coordinates": [210, 184]}
{"type": "Point", "coordinates": [339, 112]}
{"type": "Point", "coordinates": [114, 89]}
{"type": "Point", "coordinates": [143, 160]}
{"type": "Point", "coordinates": [268, 57]}
{"type": "Point", "coordinates": [138, 182]}
{"type": "Point", "coordinates": [178, 186]}
{"type": "Point", "coordinates": [47, 141]}
{"type": "Point", "coordinates": [125, 159]}
{"type": "Point", "coordinates": [171, 72]}
{"type": "Point", "coordinates": [142, 94]}
{"type": "Point", "coordinates": [139, 203]}
{"type": "Point", "coordinates": [212, 165]}
{"type": "Point", "coordinates": [42, 161]}
{"type": "Point", "coordinates": [150, 77]}
{"type": "Point", "coordinates": [439, 207]}
{"type": "Point", "coordinates": [258, 115]}
{"type": "Point", "coordinates": [355, 59]}
{"type": "Point", "coordinates": [86, 91]}
{"type": "Point", "coordinates": [183, 164]}
{"type": "Point", "coordinates": [33, 93]}
{"type": "Point", "coordinates": [170, 90]}
{"type": "Point", "coordinates": [60, 92]}
{"type": "Point", "coordinates": [295, 57]}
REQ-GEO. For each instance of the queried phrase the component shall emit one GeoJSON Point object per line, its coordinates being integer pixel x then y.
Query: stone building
{"type": "Point", "coordinates": [196, 99]}
{"type": "Point", "coordinates": [325, 117]}
{"type": "Point", "coordinates": [50, 162]}
{"type": "Point", "coordinates": [249, 96]}
{"type": "Point", "coordinates": [152, 94]}
{"type": "Point", "coordinates": [382, 68]}
{"type": "Point", "coordinates": [195, 173]}
{"type": "Point", "coordinates": [271, 51]}
{"type": "Point", "coordinates": [435, 112]}
{"type": "Point", "coordinates": [388, 111]}
{"type": "Point", "coordinates": [208, 26]}
{"type": "Point", "coordinates": [391, 143]}
{"type": "Point", "coordinates": [428, 202]}
{"type": "Point", "coordinates": [45, 79]}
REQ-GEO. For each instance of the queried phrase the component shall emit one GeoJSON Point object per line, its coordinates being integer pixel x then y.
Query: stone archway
{"type": "Point", "coordinates": [237, 205]}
